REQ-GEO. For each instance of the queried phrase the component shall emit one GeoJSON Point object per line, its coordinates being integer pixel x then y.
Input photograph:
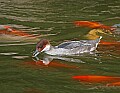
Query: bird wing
{"type": "Point", "coordinates": [73, 44]}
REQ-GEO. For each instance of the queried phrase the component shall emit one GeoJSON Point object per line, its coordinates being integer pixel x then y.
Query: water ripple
{"type": "Point", "coordinates": [7, 54]}
{"type": "Point", "coordinates": [17, 44]}
{"type": "Point", "coordinates": [20, 57]}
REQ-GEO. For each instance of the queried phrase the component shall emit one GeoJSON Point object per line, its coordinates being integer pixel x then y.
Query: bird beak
{"type": "Point", "coordinates": [36, 52]}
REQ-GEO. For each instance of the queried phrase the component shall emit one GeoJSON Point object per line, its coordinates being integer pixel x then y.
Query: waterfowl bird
{"type": "Point", "coordinates": [66, 48]}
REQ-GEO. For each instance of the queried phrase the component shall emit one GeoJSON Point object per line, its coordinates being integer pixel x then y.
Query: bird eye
{"type": "Point", "coordinates": [41, 46]}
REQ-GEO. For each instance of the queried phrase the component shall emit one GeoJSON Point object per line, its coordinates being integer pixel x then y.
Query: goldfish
{"type": "Point", "coordinates": [109, 43]}
{"type": "Point", "coordinates": [96, 79]}
{"type": "Point", "coordinates": [93, 25]}
{"type": "Point", "coordinates": [94, 33]}
{"type": "Point", "coordinates": [10, 31]}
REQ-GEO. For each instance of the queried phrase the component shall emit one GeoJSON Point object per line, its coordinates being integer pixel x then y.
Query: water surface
{"type": "Point", "coordinates": [53, 20]}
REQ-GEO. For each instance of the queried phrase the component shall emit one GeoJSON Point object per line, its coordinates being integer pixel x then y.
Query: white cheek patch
{"type": "Point", "coordinates": [47, 48]}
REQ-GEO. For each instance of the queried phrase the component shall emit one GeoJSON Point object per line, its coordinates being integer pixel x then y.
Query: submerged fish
{"type": "Point", "coordinates": [10, 31]}
{"type": "Point", "coordinates": [8, 34]}
{"type": "Point", "coordinates": [109, 43]}
{"type": "Point", "coordinates": [93, 25]}
{"type": "Point", "coordinates": [94, 33]}
{"type": "Point", "coordinates": [96, 79]}
{"type": "Point", "coordinates": [16, 32]}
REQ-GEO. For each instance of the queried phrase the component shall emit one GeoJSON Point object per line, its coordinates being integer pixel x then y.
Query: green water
{"type": "Point", "coordinates": [53, 20]}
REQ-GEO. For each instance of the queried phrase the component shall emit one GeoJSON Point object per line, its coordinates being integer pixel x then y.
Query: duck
{"type": "Point", "coordinates": [66, 48]}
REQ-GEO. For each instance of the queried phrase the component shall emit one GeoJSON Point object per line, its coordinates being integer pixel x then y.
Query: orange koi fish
{"type": "Point", "coordinates": [109, 43]}
{"type": "Point", "coordinates": [21, 33]}
{"type": "Point", "coordinates": [114, 84]}
{"type": "Point", "coordinates": [93, 25]}
{"type": "Point", "coordinates": [16, 32]}
{"type": "Point", "coordinates": [10, 31]}
{"type": "Point", "coordinates": [96, 79]}
{"type": "Point", "coordinates": [49, 64]}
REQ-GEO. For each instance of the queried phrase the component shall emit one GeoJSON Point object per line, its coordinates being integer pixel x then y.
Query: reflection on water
{"type": "Point", "coordinates": [95, 33]}
{"type": "Point", "coordinates": [12, 38]}
{"type": "Point", "coordinates": [116, 25]}
{"type": "Point", "coordinates": [16, 44]}
{"type": "Point", "coordinates": [20, 57]}
{"type": "Point", "coordinates": [7, 54]}
{"type": "Point", "coordinates": [117, 31]}
{"type": "Point", "coordinates": [8, 34]}
{"type": "Point", "coordinates": [101, 88]}
{"type": "Point", "coordinates": [47, 59]}
{"type": "Point", "coordinates": [13, 35]}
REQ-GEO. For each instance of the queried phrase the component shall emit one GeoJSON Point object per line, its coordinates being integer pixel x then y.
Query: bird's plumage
{"type": "Point", "coordinates": [66, 48]}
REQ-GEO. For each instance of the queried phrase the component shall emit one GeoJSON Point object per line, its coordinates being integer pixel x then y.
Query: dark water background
{"type": "Point", "coordinates": [53, 20]}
